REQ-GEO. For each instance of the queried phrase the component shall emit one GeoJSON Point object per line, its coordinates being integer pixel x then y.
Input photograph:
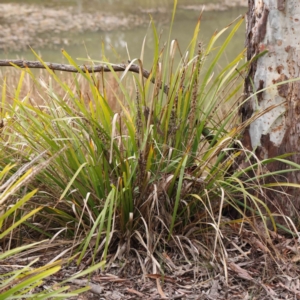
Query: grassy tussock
{"type": "Point", "coordinates": [123, 167]}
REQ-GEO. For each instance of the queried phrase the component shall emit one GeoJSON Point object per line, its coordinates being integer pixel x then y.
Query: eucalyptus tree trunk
{"type": "Point", "coordinates": [274, 25]}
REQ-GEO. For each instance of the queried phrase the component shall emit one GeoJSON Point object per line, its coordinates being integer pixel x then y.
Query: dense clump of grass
{"type": "Point", "coordinates": [138, 170]}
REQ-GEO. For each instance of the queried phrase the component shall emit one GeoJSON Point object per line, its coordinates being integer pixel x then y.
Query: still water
{"type": "Point", "coordinates": [115, 41]}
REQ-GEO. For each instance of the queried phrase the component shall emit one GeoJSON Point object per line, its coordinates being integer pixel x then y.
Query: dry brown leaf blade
{"type": "Point", "coordinates": [259, 245]}
{"type": "Point", "coordinates": [161, 277]}
{"type": "Point", "coordinates": [242, 273]}
{"type": "Point", "coordinates": [132, 291]}
{"type": "Point", "coordinates": [159, 289]}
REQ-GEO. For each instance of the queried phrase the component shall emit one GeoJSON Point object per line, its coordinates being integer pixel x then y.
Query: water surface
{"type": "Point", "coordinates": [114, 43]}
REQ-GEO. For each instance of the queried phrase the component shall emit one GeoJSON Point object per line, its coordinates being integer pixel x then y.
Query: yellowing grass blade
{"type": "Point", "coordinates": [27, 282]}
{"type": "Point", "coordinates": [16, 224]}
{"type": "Point", "coordinates": [16, 206]}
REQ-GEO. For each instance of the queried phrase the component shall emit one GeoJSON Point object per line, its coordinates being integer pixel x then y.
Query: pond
{"type": "Point", "coordinates": [93, 28]}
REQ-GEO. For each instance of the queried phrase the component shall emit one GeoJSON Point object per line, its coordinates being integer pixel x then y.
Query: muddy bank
{"type": "Point", "coordinates": [226, 4]}
{"type": "Point", "coordinates": [23, 25]}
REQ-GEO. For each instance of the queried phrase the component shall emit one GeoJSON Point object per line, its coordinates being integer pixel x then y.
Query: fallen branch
{"type": "Point", "coordinates": [71, 69]}
{"type": "Point", "coordinates": [91, 69]}
{"type": "Point", "coordinates": [68, 68]}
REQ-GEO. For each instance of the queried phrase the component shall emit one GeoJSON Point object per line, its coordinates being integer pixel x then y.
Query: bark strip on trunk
{"type": "Point", "coordinates": [274, 26]}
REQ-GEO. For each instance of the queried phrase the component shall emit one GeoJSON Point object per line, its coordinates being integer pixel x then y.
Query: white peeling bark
{"type": "Point", "coordinates": [274, 25]}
